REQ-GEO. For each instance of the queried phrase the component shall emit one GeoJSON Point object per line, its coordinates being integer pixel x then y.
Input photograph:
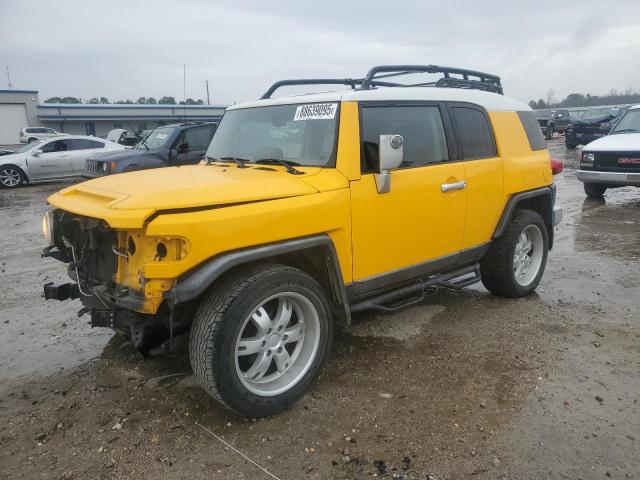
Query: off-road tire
{"type": "Point", "coordinates": [218, 322]}
{"type": "Point", "coordinates": [594, 190]}
{"type": "Point", "coordinates": [496, 268]}
{"type": "Point", "coordinates": [548, 132]}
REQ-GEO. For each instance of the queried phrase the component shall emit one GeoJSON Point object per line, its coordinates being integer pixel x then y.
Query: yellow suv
{"type": "Point", "coordinates": [306, 209]}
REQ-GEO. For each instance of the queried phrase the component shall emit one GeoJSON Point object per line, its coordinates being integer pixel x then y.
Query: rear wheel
{"type": "Point", "coordinates": [594, 190]}
{"type": "Point", "coordinates": [11, 176]}
{"type": "Point", "coordinates": [260, 338]}
{"type": "Point", "coordinates": [31, 140]}
{"type": "Point", "coordinates": [515, 262]}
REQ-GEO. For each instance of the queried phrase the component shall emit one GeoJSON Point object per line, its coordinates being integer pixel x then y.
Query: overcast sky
{"type": "Point", "coordinates": [128, 49]}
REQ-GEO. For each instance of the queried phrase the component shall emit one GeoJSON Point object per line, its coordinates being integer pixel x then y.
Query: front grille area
{"type": "Point", "coordinates": [618, 161]}
{"type": "Point", "coordinates": [95, 167]}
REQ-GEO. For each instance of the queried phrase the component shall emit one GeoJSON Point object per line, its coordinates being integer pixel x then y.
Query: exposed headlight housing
{"type": "Point", "coordinates": [105, 167]}
{"type": "Point", "coordinates": [47, 228]}
{"type": "Point", "coordinates": [588, 159]}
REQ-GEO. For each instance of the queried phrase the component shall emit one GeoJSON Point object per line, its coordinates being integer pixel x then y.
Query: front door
{"type": "Point", "coordinates": [54, 161]}
{"type": "Point", "coordinates": [422, 217]}
{"type": "Point", "coordinates": [194, 142]}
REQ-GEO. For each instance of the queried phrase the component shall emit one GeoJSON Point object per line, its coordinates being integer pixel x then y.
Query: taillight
{"type": "Point", "coordinates": [556, 166]}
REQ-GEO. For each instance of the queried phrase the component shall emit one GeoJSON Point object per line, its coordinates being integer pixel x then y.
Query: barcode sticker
{"type": "Point", "coordinates": [315, 111]}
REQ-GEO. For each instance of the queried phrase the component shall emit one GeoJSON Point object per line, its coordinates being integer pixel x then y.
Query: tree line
{"type": "Point", "coordinates": [579, 100]}
{"type": "Point", "coordinates": [139, 101]}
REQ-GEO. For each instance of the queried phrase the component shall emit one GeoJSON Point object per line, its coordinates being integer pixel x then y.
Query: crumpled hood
{"type": "Point", "coordinates": [621, 142]}
{"type": "Point", "coordinates": [126, 200]}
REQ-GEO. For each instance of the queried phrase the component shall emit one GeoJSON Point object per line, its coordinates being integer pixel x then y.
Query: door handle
{"type": "Point", "coordinates": [64, 155]}
{"type": "Point", "coordinates": [446, 187]}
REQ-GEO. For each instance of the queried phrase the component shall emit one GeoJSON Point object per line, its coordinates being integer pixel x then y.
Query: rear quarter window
{"type": "Point", "coordinates": [474, 133]}
{"type": "Point", "coordinates": [533, 131]}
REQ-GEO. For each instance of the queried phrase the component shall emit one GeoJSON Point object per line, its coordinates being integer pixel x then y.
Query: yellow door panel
{"type": "Point", "coordinates": [484, 199]}
{"type": "Point", "coordinates": [411, 224]}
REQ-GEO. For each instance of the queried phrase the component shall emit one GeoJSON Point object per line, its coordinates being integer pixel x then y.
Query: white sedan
{"type": "Point", "coordinates": [53, 158]}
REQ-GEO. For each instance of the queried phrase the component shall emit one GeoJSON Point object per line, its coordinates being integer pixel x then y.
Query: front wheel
{"type": "Point", "coordinates": [260, 338]}
{"type": "Point", "coordinates": [548, 132]}
{"type": "Point", "coordinates": [515, 262]}
{"type": "Point", "coordinates": [10, 176]}
{"type": "Point", "coordinates": [594, 190]}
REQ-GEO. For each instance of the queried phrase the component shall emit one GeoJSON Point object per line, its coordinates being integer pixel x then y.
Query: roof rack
{"type": "Point", "coordinates": [464, 79]}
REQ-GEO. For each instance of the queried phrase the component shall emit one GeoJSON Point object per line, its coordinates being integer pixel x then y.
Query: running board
{"type": "Point", "coordinates": [404, 297]}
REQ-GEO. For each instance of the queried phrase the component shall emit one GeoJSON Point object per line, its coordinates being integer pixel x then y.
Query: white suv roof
{"type": "Point", "coordinates": [490, 101]}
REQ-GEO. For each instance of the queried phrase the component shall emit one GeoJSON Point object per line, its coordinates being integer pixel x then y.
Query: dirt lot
{"type": "Point", "coordinates": [466, 385]}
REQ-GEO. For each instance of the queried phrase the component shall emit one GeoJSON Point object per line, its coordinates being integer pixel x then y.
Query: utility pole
{"type": "Point", "coordinates": [9, 85]}
{"type": "Point", "coordinates": [206, 83]}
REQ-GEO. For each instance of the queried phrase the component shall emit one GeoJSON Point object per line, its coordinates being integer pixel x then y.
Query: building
{"type": "Point", "coordinates": [21, 108]}
{"type": "Point", "coordinates": [18, 108]}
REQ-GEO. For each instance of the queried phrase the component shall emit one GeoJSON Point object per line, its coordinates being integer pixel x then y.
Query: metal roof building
{"type": "Point", "coordinates": [21, 108]}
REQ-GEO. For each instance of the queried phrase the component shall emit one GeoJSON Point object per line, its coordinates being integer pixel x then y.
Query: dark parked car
{"type": "Point", "coordinates": [170, 145]}
{"type": "Point", "coordinates": [591, 126]}
{"type": "Point", "coordinates": [551, 121]}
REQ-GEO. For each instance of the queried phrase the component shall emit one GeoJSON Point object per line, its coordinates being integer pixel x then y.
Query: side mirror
{"type": "Point", "coordinates": [36, 153]}
{"type": "Point", "coordinates": [390, 154]}
{"type": "Point", "coordinates": [605, 127]}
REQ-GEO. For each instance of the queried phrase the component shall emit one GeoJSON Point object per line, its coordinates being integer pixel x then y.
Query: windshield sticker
{"type": "Point", "coordinates": [316, 111]}
{"type": "Point", "coordinates": [161, 136]}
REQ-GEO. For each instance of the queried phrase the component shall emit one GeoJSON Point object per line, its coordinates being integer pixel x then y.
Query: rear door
{"type": "Point", "coordinates": [476, 149]}
{"type": "Point", "coordinates": [81, 149]}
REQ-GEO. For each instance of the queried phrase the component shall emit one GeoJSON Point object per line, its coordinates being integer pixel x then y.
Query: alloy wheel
{"type": "Point", "coordinates": [10, 177]}
{"type": "Point", "coordinates": [277, 344]}
{"type": "Point", "coordinates": [527, 256]}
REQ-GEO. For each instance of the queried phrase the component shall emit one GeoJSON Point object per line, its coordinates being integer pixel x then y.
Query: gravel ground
{"type": "Point", "coordinates": [466, 385]}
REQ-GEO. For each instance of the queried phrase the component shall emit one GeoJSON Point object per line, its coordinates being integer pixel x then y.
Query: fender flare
{"type": "Point", "coordinates": [194, 283]}
{"type": "Point", "coordinates": [512, 204]}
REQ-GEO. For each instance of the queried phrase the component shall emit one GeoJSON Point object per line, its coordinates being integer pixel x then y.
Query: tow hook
{"type": "Point", "coordinates": [61, 292]}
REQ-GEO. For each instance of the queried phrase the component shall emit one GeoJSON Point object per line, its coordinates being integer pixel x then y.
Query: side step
{"type": "Point", "coordinates": [404, 297]}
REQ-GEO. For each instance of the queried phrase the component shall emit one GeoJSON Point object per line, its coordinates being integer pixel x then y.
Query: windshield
{"type": "Point", "coordinates": [300, 134]}
{"type": "Point", "coordinates": [28, 146]}
{"type": "Point", "coordinates": [630, 123]}
{"type": "Point", "coordinates": [156, 139]}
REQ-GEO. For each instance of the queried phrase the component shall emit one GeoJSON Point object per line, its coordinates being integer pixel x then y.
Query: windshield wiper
{"type": "Point", "coordinates": [285, 163]}
{"type": "Point", "coordinates": [238, 161]}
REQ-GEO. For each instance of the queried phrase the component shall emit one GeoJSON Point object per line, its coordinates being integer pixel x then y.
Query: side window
{"type": "Point", "coordinates": [474, 132]}
{"type": "Point", "coordinates": [420, 126]}
{"type": "Point", "coordinates": [533, 131]}
{"type": "Point", "coordinates": [83, 144]}
{"type": "Point", "coordinates": [199, 138]}
{"type": "Point", "coordinates": [57, 146]}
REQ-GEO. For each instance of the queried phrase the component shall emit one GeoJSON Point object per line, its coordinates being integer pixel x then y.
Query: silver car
{"type": "Point", "coordinates": [32, 134]}
{"type": "Point", "coordinates": [59, 157]}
